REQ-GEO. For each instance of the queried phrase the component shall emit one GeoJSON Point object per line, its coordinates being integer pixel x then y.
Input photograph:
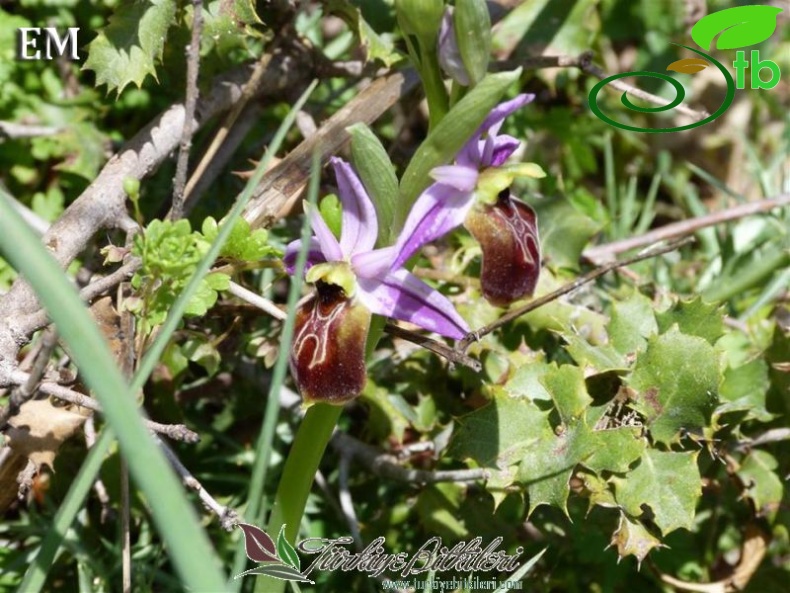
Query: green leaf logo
{"type": "Point", "coordinates": [741, 26]}
{"type": "Point", "coordinates": [286, 551]}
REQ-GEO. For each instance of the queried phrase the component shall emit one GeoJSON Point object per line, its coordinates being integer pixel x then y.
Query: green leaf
{"type": "Point", "coordinates": [243, 244]}
{"type": "Point", "coordinates": [694, 318]}
{"type": "Point", "coordinates": [564, 231]}
{"type": "Point", "coordinates": [632, 538]}
{"type": "Point", "coordinates": [568, 391]}
{"type": "Point", "coordinates": [669, 483]}
{"type": "Point", "coordinates": [449, 136]}
{"type": "Point", "coordinates": [614, 450]}
{"type": "Point", "coordinates": [497, 434]}
{"type": "Point", "coordinates": [547, 466]}
{"type": "Point", "coordinates": [761, 484]}
{"type": "Point", "coordinates": [228, 25]}
{"type": "Point", "coordinates": [472, 25]}
{"type": "Point", "coordinates": [286, 551]}
{"type": "Point", "coordinates": [632, 322]}
{"type": "Point", "coordinates": [377, 47]}
{"type": "Point", "coordinates": [377, 173]}
{"type": "Point", "coordinates": [125, 50]}
{"type": "Point", "coordinates": [601, 358]}
{"type": "Point", "coordinates": [740, 26]}
{"type": "Point", "coordinates": [438, 507]}
{"type": "Point", "coordinates": [744, 389]}
{"type": "Point", "coordinates": [677, 380]}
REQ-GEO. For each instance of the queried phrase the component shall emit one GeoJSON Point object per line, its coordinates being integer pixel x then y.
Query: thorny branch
{"type": "Point", "coordinates": [474, 336]}
{"type": "Point", "coordinates": [174, 431]}
{"type": "Point", "coordinates": [387, 466]}
{"type": "Point", "coordinates": [600, 253]}
{"type": "Point", "coordinates": [193, 64]}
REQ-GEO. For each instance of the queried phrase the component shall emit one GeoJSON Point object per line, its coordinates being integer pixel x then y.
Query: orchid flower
{"type": "Point", "coordinates": [475, 192]}
{"type": "Point", "coordinates": [352, 281]}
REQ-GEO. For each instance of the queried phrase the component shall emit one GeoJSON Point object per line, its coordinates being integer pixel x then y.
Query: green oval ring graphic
{"type": "Point", "coordinates": [680, 95]}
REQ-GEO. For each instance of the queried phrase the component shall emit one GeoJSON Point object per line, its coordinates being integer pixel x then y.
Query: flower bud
{"type": "Point", "coordinates": [328, 352]}
{"type": "Point", "coordinates": [449, 53]}
{"type": "Point", "coordinates": [508, 234]}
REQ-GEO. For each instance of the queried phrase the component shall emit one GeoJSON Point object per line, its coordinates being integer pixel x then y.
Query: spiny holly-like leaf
{"type": "Point", "coordinates": [689, 65]}
{"type": "Point", "coordinates": [633, 539]}
{"type": "Point", "coordinates": [761, 484]}
{"type": "Point", "coordinates": [568, 391]}
{"type": "Point", "coordinates": [377, 47]}
{"type": "Point", "coordinates": [547, 466]}
{"type": "Point", "coordinates": [228, 25]}
{"type": "Point", "coordinates": [669, 483]}
{"type": "Point", "coordinates": [287, 551]}
{"type": "Point", "coordinates": [739, 27]}
{"type": "Point", "coordinates": [632, 322]}
{"type": "Point", "coordinates": [601, 358]}
{"type": "Point", "coordinates": [744, 389]}
{"type": "Point", "coordinates": [258, 545]}
{"type": "Point", "coordinates": [676, 381]}
{"type": "Point", "coordinates": [125, 50]}
{"type": "Point", "coordinates": [695, 318]}
{"type": "Point", "coordinates": [615, 449]}
{"type": "Point", "coordinates": [497, 434]}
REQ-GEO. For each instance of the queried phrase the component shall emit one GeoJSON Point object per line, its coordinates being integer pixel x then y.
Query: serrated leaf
{"type": "Point", "coordinates": [632, 322]}
{"type": "Point", "coordinates": [615, 450]}
{"type": "Point", "coordinates": [740, 26]}
{"type": "Point", "coordinates": [669, 483]}
{"type": "Point", "coordinates": [497, 434]}
{"type": "Point", "coordinates": [547, 466]}
{"type": "Point", "coordinates": [597, 490]}
{"type": "Point", "coordinates": [564, 231]}
{"type": "Point", "coordinates": [695, 318]}
{"type": "Point", "coordinates": [632, 538]}
{"type": "Point", "coordinates": [601, 358]}
{"type": "Point", "coordinates": [761, 484]}
{"type": "Point", "coordinates": [568, 391]}
{"type": "Point", "coordinates": [124, 51]}
{"type": "Point", "coordinates": [377, 47]}
{"type": "Point", "coordinates": [228, 25]}
{"type": "Point", "coordinates": [744, 389]}
{"type": "Point", "coordinates": [676, 380]}
{"type": "Point", "coordinates": [286, 551]}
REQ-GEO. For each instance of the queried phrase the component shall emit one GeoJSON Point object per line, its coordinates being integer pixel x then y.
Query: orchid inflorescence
{"type": "Point", "coordinates": [354, 280]}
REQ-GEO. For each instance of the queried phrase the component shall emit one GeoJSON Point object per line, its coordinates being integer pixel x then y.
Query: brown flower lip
{"type": "Point", "coordinates": [328, 351]}
{"type": "Point", "coordinates": [508, 235]}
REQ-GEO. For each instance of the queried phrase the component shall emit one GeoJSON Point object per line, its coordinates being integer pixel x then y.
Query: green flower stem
{"type": "Point", "coordinates": [435, 91]}
{"type": "Point", "coordinates": [297, 479]}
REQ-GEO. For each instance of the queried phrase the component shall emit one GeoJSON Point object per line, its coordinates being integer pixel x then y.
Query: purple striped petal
{"type": "Point", "coordinates": [473, 152]}
{"type": "Point", "coordinates": [437, 211]}
{"type": "Point", "coordinates": [373, 264]}
{"type": "Point", "coordinates": [327, 242]}
{"type": "Point", "coordinates": [404, 296]}
{"type": "Point", "coordinates": [500, 150]}
{"type": "Point", "coordinates": [461, 178]}
{"type": "Point", "coordinates": [314, 255]}
{"type": "Point", "coordinates": [360, 226]}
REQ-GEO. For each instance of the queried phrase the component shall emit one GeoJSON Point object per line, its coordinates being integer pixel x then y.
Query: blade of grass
{"type": "Point", "coordinates": [715, 182]}
{"type": "Point", "coordinates": [175, 314]}
{"type": "Point", "coordinates": [36, 574]}
{"type": "Point", "coordinates": [255, 498]}
{"type": "Point", "coordinates": [189, 546]}
{"type": "Point", "coordinates": [648, 214]}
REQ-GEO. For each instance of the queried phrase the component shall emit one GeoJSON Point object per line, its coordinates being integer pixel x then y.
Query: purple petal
{"type": "Point", "coordinates": [373, 264]}
{"type": "Point", "coordinates": [461, 178]}
{"type": "Point", "coordinates": [501, 148]}
{"type": "Point", "coordinates": [314, 255]}
{"type": "Point", "coordinates": [404, 296]}
{"type": "Point", "coordinates": [437, 211]}
{"type": "Point", "coordinates": [360, 226]}
{"type": "Point", "coordinates": [327, 242]}
{"type": "Point", "coordinates": [449, 54]}
{"type": "Point", "coordinates": [473, 152]}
